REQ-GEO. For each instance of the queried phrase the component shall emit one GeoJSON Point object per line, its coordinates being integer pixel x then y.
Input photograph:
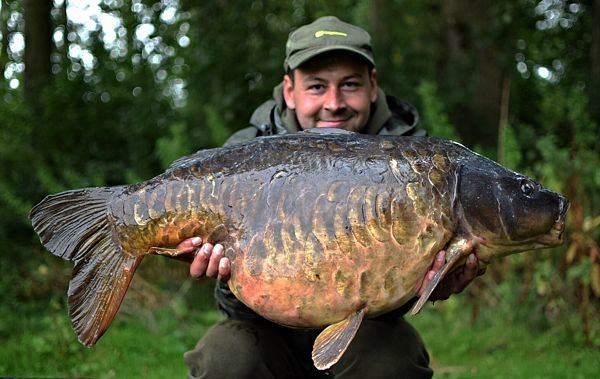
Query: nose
{"type": "Point", "coordinates": [334, 100]}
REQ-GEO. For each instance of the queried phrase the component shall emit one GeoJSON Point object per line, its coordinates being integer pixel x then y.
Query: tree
{"type": "Point", "coordinates": [595, 60]}
{"type": "Point", "coordinates": [38, 39]}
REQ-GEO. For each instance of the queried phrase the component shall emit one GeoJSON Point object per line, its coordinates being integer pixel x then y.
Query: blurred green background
{"type": "Point", "coordinates": [106, 92]}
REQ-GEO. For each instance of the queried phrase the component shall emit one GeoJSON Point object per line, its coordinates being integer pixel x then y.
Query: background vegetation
{"type": "Point", "coordinates": [105, 92]}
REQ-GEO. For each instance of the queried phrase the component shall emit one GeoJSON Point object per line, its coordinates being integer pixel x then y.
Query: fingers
{"type": "Point", "coordinates": [437, 265]}
{"type": "Point", "coordinates": [224, 269]}
{"type": "Point", "coordinates": [471, 267]}
{"type": "Point", "coordinates": [201, 260]}
{"type": "Point", "coordinates": [463, 276]}
{"type": "Point", "coordinates": [211, 262]}
{"type": "Point", "coordinates": [212, 271]}
{"type": "Point", "coordinates": [189, 245]}
{"type": "Point", "coordinates": [454, 282]}
{"type": "Point", "coordinates": [439, 261]}
{"type": "Point", "coordinates": [428, 278]}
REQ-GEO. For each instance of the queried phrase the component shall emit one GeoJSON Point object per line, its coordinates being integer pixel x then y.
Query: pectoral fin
{"type": "Point", "coordinates": [456, 252]}
{"type": "Point", "coordinates": [332, 342]}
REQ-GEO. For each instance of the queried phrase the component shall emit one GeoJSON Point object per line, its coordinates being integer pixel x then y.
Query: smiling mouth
{"type": "Point", "coordinates": [333, 123]}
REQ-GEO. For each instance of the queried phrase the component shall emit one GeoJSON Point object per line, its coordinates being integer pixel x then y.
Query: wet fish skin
{"type": "Point", "coordinates": [321, 228]}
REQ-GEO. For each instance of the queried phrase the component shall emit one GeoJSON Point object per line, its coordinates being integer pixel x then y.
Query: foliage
{"type": "Point", "coordinates": [175, 76]}
{"type": "Point", "coordinates": [173, 145]}
{"type": "Point", "coordinates": [435, 120]}
{"type": "Point", "coordinates": [576, 157]}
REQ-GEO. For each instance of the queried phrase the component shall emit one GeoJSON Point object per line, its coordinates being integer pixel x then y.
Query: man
{"type": "Point", "coordinates": [330, 81]}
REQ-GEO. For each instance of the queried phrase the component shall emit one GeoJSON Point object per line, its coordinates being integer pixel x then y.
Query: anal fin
{"type": "Point", "coordinates": [332, 342]}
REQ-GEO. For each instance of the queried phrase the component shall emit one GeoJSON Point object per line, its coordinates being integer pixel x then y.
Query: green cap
{"type": "Point", "coordinates": [326, 34]}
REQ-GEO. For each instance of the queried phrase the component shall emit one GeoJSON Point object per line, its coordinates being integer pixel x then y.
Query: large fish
{"type": "Point", "coordinates": [322, 228]}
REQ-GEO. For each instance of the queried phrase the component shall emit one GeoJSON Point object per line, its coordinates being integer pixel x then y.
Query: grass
{"type": "Point", "coordinates": [39, 342]}
{"type": "Point", "coordinates": [157, 323]}
{"type": "Point", "coordinates": [154, 329]}
{"type": "Point", "coordinates": [500, 346]}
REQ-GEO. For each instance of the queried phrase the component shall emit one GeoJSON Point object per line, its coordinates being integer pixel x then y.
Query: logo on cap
{"type": "Point", "coordinates": [321, 33]}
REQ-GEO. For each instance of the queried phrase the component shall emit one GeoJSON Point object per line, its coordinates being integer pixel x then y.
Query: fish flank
{"type": "Point", "coordinates": [343, 231]}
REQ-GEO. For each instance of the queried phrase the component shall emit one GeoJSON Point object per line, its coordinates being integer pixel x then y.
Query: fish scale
{"type": "Point", "coordinates": [322, 228]}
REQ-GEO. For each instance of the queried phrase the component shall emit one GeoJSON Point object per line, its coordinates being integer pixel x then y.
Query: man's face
{"type": "Point", "coordinates": [332, 91]}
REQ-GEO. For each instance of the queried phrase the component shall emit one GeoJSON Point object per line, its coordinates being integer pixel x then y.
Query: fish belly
{"type": "Point", "coordinates": [317, 262]}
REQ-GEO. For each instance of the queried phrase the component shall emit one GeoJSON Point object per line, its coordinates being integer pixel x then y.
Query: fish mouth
{"type": "Point", "coordinates": [559, 231]}
{"type": "Point", "coordinates": [556, 236]}
{"type": "Point", "coordinates": [488, 250]}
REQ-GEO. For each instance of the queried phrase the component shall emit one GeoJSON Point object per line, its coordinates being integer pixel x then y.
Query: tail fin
{"type": "Point", "coordinates": [74, 225]}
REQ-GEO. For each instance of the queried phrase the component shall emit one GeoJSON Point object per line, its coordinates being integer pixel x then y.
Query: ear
{"type": "Point", "coordinates": [373, 79]}
{"type": "Point", "coordinates": [288, 92]}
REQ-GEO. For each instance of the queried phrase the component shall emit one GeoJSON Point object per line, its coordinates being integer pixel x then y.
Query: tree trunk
{"type": "Point", "coordinates": [4, 13]}
{"type": "Point", "coordinates": [380, 30]}
{"type": "Point", "coordinates": [595, 61]}
{"type": "Point", "coordinates": [471, 69]}
{"type": "Point", "coordinates": [38, 47]}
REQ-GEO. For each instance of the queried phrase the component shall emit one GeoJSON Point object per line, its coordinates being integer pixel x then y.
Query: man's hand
{"type": "Point", "coordinates": [208, 260]}
{"type": "Point", "coordinates": [454, 282]}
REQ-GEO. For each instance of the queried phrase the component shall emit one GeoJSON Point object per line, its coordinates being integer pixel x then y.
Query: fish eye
{"type": "Point", "coordinates": [527, 187]}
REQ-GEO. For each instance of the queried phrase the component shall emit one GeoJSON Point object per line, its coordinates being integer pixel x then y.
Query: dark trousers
{"type": "Point", "coordinates": [382, 348]}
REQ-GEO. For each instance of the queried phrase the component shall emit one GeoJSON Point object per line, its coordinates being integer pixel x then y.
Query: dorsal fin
{"type": "Point", "coordinates": [332, 342]}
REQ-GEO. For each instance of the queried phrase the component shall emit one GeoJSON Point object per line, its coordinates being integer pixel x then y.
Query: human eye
{"type": "Point", "coordinates": [351, 85]}
{"type": "Point", "coordinates": [315, 87]}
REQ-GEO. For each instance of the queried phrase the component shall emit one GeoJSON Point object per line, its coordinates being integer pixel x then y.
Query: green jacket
{"type": "Point", "coordinates": [389, 116]}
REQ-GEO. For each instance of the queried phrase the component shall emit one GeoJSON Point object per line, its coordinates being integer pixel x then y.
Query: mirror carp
{"type": "Point", "coordinates": [322, 228]}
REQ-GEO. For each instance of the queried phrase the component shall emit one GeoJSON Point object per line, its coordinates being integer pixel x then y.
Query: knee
{"type": "Point", "coordinates": [227, 350]}
{"type": "Point", "coordinates": [386, 348]}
